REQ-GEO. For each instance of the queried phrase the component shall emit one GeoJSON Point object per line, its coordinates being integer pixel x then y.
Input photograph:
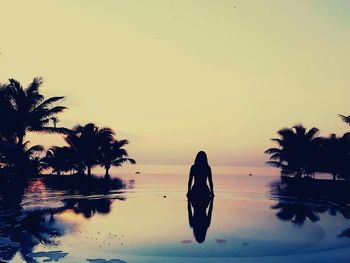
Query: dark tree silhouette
{"type": "Point", "coordinates": [60, 159]}
{"type": "Point", "coordinates": [29, 109]}
{"type": "Point", "coordinates": [7, 117]}
{"type": "Point", "coordinates": [88, 146]}
{"type": "Point", "coordinates": [112, 153]}
{"type": "Point", "coordinates": [333, 155]}
{"type": "Point", "coordinates": [86, 141]}
{"type": "Point", "coordinates": [295, 154]}
{"type": "Point", "coordinates": [20, 159]}
{"type": "Point", "coordinates": [25, 110]}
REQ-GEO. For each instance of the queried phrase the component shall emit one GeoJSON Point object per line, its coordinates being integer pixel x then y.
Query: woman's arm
{"type": "Point", "coordinates": [211, 182]}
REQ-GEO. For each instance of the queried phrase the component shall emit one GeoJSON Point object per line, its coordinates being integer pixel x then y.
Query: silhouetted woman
{"type": "Point", "coordinates": [200, 172]}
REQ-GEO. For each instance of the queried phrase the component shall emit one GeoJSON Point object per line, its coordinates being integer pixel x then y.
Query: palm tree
{"type": "Point", "coordinates": [112, 153]}
{"type": "Point", "coordinates": [86, 141]}
{"type": "Point", "coordinates": [296, 151]}
{"type": "Point", "coordinates": [20, 159]}
{"type": "Point", "coordinates": [344, 156]}
{"type": "Point", "coordinates": [60, 159]}
{"type": "Point", "coordinates": [7, 117]}
{"type": "Point", "coordinates": [346, 119]}
{"type": "Point", "coordinates": [30, 110]}
{"type": "Point", "coordinates": [334, 155]}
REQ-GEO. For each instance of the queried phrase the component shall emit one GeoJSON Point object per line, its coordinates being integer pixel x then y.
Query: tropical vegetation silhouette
{"type": "Point", "coordinates": [27, 110]}
{"type": "Point", "coordinates": [295, 152]}
{"type": "Point", "coordinates": [91, 146]}
{"type": "Point", "coordinates": [303, 153]}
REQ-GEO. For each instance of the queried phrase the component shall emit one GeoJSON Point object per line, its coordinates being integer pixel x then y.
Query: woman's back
{"type": "Point", "coordinates": [200, 174]}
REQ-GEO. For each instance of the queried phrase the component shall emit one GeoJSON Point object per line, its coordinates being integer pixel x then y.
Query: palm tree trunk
{"type": "Point", "coordinates": [107, 171]}
{"type": "Point", "coordinates": [20, 139]}
{"type": "Point", "coordinates": [107, 176]}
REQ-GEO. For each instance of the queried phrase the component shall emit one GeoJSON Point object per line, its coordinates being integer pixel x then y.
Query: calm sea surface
{"type": "Point", "coordinates": [147, 218]}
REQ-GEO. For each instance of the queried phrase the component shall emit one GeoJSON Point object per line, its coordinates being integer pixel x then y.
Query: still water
{"type": "Point", "coordinates": [146, 218]}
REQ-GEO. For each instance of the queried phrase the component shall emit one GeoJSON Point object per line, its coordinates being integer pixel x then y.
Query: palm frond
{"type": "Point", "coordinates": [120, 143]}
{"type": "Point", "coordinates": [279, 141]}
{"type": "Point", "coordinates": [312, 133]}
{"type": "Point", "coordinates": [277, 156]}
{"type": "Point", "coordinates": [34, 86]}
{"type": "Point", "coordinates": [299, 129]}
{"type": "Point", "coordinates": [276, 164]}
{"type": "Point", "coordinates": [273, 150]}
{"type": "Point", "coordinates": [50, 101]}
{"type": "Point", "coordinates": [36, 148]}
{"type": "Point", "coordinates": [284, 132]}
{"type": "Point", "coordinates": [120, 161]}
{"type": "Point", "coordinates": [51, 130]}
{"type": "Point", "coordinates": [55, 110]}
{"type": "Point", "coordinates": [344, 118]}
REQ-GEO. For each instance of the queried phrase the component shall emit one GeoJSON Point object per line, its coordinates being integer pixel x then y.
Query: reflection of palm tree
{"type": "Point", "coordinates": [295, 152]}
{"type": "Point", "coordinates": [86, 141]}
{"type": "Point", "coordinates": [112, 154]}
{"type": "Point", "coordinates": [298, 213]}
{"type": "Point", "coordinates": [84, 185]}
{"type": "Point", "coordinates": [89, 207]}
{"type": "Point", "coordinates": [199, 219]}
{"type": "Point", "coordinates": [27, 229]}
{"type": "Point", "coordinates": [297, 205]}
{"type": "Point", "coordinates": [24, 230]}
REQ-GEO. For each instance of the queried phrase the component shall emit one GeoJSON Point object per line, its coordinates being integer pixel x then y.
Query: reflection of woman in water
{"type": "Point", "coordinates": [201, 172]}
{"type": "Point", "coordinates": [199, 220]}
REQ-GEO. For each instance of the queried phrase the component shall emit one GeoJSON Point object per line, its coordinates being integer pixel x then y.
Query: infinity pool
{"type": "Point", "coordinates": [146, 218]}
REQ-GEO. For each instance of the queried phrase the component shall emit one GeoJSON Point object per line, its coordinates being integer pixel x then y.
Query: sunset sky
{"type": "Point", "coordinates": [175, 77]}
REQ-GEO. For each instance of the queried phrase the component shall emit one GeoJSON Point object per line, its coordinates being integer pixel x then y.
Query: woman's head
{"type": "Point", "coordinates": [201, 159]}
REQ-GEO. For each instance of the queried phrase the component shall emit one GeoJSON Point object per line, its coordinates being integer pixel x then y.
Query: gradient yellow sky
{"type": "Point", "coordinates": [175, 77]}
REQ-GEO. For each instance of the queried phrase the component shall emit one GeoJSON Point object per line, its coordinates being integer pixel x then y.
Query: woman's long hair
{"type": "Point", "coordinates": [201, 159]}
